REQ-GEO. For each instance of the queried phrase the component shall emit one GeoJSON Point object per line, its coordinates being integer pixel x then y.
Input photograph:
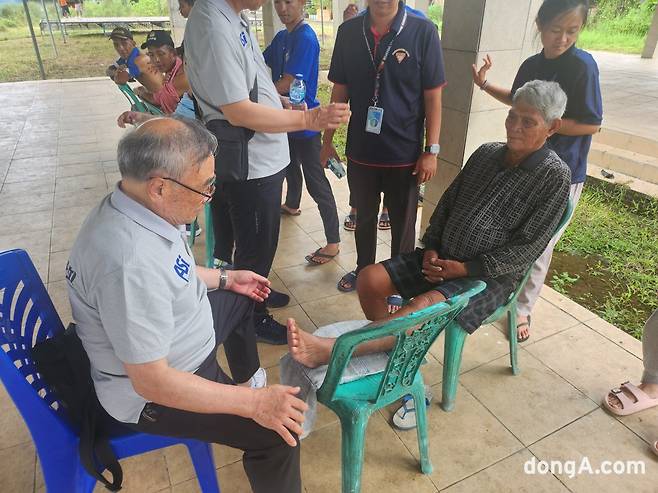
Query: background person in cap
{"type": "Point", "coordinates": [132, 63]}
{"type": "Point", "coordinates": [162, 52]}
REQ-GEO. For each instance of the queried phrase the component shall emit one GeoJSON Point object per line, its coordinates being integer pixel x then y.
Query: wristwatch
{"type": "Point", "coordinates": [223, 278]}
{"type": "Point", "coordinates": [433, 149]}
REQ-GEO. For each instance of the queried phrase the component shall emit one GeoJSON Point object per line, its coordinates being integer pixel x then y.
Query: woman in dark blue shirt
{"type": "Point", "coordinates": [559, 23]}
{"type": "Point", "coordinates": [295, 50]}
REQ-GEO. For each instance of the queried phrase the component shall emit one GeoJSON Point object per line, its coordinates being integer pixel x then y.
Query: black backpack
{"type": "Point", "coordinates": [63, 363]}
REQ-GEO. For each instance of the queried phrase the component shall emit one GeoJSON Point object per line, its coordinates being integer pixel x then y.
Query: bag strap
{"type": "Point", "coordinates": [95, 450]}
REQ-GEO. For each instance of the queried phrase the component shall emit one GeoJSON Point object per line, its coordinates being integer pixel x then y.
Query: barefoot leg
{"type": "Point", "coordinates": [308, 349]}
{"type": "Point", "coordinates": [374, 287]}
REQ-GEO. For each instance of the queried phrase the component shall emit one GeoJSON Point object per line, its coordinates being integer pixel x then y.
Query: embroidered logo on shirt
{"type": "Point", "coordinates": [70, 273]}
{"type": "Point", "coordinates": [243, 39]}
{"type": "Point", "coordinates": [182, 269]}
{"type": "Point", "coordinates": [401, 55]}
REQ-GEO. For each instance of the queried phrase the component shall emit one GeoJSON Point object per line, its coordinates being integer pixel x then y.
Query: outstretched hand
{"type": "Point", "coordinates": [248, 284]}
{"type": "Point", "coordinates": [278, 409]}
{"type": "Point", "coordinates": [331, 116]}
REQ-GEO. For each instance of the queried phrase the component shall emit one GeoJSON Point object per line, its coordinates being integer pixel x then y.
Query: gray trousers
{"type": "Point", "coordinates": [650, 350]}
{"type": "Point", "coordinates": [305, 155]}
{"type": "Point", "coordinates": [530, 293]}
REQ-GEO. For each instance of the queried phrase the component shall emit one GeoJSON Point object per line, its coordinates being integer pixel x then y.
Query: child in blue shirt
{"type": "Point", "coordinates": [295, 50]}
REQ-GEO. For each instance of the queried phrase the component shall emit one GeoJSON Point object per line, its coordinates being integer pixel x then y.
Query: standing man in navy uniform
{"type": "Point", "coordinates": [388, 64]}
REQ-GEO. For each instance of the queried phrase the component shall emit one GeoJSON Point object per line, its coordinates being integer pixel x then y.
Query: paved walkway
{"type": "Point", "coordinates": [57, 159]}
{"type": "Point", "coordinates": [630, 93]}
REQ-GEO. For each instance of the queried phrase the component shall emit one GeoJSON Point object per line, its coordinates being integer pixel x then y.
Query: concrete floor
{"type": "Point", "coordinates": [57, 159]}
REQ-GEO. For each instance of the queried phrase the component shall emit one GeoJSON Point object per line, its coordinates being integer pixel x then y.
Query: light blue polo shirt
{"type": "Point", "coordinates": [136, 298]}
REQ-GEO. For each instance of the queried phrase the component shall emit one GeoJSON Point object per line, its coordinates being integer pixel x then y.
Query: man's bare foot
{"type": "Point", "coordinates": [307, 349]}
{"type": "Point", "coordinates": [651, 389]}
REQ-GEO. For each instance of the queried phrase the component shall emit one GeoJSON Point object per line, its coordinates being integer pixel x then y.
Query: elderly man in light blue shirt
{"type": "Point", "coordinates": [150, 325]}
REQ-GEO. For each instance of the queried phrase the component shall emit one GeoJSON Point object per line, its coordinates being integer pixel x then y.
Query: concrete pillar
{"type": "Point", "coordinates": [271, 22]}
{"type": "Point", "coordinates": [337, 8]}
{"type": "Point", "coordinates": [177, 22]}
{"type": "Point", "coordinates": [471, 29]}
{"type": "Point", "coordinates": [652, 37]}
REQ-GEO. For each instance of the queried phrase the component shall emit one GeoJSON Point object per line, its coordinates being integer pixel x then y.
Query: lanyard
{"type": "Point", "coordinates": [379, 69]}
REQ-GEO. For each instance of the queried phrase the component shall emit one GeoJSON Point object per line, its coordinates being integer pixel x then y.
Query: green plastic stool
{"type": "Point", "coordinates": [456, 336]}
{"type": "Point", "coordinates": [355, 401]}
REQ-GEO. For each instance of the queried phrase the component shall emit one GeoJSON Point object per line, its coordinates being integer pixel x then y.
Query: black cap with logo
{"type": "Point", "coordinates": [158, 38]}
{"type": "Point", "coordinates": [121, 33]}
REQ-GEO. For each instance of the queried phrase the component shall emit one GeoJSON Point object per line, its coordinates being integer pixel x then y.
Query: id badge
{"type": "Point", "coordinates": [374, 120]}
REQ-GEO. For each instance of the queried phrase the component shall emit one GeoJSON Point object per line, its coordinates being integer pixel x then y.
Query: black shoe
{"type": "Point", "coordinates": [277, 299]}
{"type": "Point", "coordinates": [269, 330]}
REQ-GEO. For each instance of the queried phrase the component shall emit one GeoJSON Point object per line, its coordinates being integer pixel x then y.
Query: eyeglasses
{"type": "Point", "coordinates": [207, 195]}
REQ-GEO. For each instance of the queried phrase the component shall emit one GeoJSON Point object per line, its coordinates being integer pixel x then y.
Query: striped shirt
{"type": "Point", "coordinates": [499, 219]}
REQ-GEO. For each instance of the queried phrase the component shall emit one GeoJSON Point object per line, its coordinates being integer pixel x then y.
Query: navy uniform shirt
{"type": "Point", "coordinates": [578, 75]}
{"type": "Point", "coordinates": [297, 52]}
{"type": "Point", "coordinates": [414, 64]}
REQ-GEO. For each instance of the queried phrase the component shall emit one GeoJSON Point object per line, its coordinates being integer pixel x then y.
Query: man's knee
{"type": "Point", "coordinates": [427, 299]}
{"type": "Point", "coordinates": [373, 279]}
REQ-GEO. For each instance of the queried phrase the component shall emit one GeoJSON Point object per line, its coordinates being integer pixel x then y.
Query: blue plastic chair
{"type": "Point", "coordinates": [27, 316]}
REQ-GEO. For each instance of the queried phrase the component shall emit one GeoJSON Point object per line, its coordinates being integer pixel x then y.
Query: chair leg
{"type": "Point", "coordinates": [421, 430]}
{"type": "Point", "coordinates": [210, 237]}
{"type": "Point", "coordinates": [452, 359]}
{"type": "Point", "coordinates": [204, 465]}
{"type": "Point", "coordinates": [513, 342]}
{"type": "Point", "coordinates": [353, 443]}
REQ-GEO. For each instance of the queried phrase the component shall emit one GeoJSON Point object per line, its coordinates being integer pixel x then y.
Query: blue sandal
{"type": "Point", "coordinates": [349, 278]}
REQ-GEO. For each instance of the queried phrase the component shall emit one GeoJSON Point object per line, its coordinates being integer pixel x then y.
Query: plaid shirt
{"type": "Point", "coordinates": [497, 219]}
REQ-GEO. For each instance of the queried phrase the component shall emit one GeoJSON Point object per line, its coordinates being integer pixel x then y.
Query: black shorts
{"type": "Point", "coordinates": [406, 274]}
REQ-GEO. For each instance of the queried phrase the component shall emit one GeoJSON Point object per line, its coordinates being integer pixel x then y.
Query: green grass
{"type": "Point", "coordinates": [603, 40]}
{"type": "Point", "coordinates": [608, 258]}
{"type": "Point", "coordinates": [83, 56]}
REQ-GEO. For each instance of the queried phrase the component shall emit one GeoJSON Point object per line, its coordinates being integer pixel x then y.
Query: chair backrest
{"type": "Point", "coordinates": [139, 104]}
{"type": "Point", "coordinates": [27, 316]}
{"type": "Point", "coordinates": [409, 349]}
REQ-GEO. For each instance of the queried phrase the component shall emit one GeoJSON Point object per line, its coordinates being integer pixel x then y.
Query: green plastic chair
{"type": "Point", "coordinates": [456, 336]}
{"type": "Point", "coordinates": [355, 401]}
{"type": "Point", "coordinates": [139, 104]}
{"type": "Point", "coordinates": [210, 236]}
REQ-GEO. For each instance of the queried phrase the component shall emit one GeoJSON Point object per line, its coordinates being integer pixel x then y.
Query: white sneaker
{"type": "Point", "coordinates": [259, 379]}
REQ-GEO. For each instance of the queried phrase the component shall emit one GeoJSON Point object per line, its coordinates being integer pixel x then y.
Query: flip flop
{"type": "Point", "coordinates": [384, 222]}
{"type": "Point", "coordinates": [518, 337]}
{"type": "Point", "coordinates": [405, 417]}
{"type": "Point", "coordinates": [311, 258]}
{"type": "Point", "coordinates": [395, 300]}
{"type": "Point", "coordinates": [349, 278]}
{"type": "Point", "coordinates": [654, 448]}
{"type": "Point", "coordinates": [628, 405]}
{"type": "Point", "coordinates": [350, 222]}
{"type": "Point", "coordinates": [286, 212]}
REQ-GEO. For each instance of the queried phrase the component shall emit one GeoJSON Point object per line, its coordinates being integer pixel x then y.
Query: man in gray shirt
{"type": "Point", "coordinates": [225, 66]}
{"type": "Point", "coordinates": [151, 327]}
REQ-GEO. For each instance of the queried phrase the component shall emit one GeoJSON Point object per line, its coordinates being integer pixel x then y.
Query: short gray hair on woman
{"type": "Point", "coordinates": [547, 97]}
{"type": "Point", "coordinates": [146, 152]}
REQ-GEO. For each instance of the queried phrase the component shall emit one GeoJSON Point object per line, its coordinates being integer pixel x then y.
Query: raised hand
{"type": "Point", "coordinates": [480, 75]}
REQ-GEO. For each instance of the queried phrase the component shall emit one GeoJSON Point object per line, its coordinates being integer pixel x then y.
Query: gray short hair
{"type": "Point", "coordinates": [547, 97]}
{"type": "Point", "coordinates": [143, 152]}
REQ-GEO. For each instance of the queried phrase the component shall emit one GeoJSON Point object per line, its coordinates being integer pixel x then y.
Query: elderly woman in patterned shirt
{"type": "Point", "coordinates": [491, 224]}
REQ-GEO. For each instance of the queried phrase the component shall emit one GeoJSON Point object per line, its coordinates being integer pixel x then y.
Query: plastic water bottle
{"type": "Point", "coordinates": [297, 90]}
